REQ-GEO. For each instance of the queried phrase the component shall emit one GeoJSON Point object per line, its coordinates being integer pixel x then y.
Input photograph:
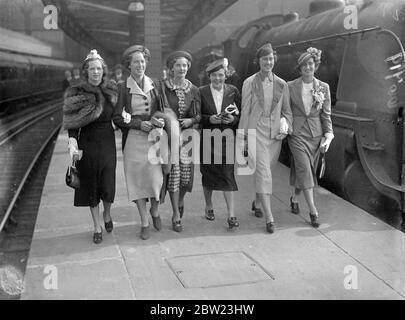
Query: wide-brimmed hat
{"type": "Point", "coordinates": [175, 55]}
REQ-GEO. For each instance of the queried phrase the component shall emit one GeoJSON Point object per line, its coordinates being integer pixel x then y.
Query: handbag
{"type": "Point", "coordinates": [320, 172]}
{"type": "Point", "coordinates": [72, 176]}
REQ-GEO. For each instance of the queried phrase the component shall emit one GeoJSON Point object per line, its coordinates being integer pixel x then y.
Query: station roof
{"type": "Point", "coordinates": [104, 24]}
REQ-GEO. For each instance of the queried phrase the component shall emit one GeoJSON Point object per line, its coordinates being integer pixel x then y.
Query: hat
{"type": "Point", "coordinates": [175, 55]}
{"type": "Point", "coordinates": [264, 50]}
{"type": "Point", "coordinates": [93, 54]}
{"type": "Point", "coordinates": [310, 53]}
{"type": "Point", "coordinates": [215, 66]}
{"type": "Point", "coordinates": [136, 48]}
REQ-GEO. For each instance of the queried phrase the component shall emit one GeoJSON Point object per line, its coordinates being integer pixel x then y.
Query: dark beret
{"type": "Point", "coordinates": [264, 50]}
{"type": "Point", "coordinates": [136, 48]}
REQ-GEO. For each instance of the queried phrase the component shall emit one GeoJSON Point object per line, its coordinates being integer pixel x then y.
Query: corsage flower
{"type": "Point", "coordinates": [319, 97]}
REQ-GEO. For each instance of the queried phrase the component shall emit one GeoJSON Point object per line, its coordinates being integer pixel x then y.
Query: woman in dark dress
{"type": "Point", "coordinates": [88, 109]}
{"type": "Point", "coordinates": [216, 99]}
{"type": "Point", "coordinates": [183, 98]}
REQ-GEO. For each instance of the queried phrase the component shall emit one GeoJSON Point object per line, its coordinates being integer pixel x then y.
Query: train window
{"type": "Point", "coordinates": [246, 37]}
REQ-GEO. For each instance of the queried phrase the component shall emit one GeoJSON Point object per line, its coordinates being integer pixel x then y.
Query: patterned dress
{"type": "Point", "coordinates": [186, 103]}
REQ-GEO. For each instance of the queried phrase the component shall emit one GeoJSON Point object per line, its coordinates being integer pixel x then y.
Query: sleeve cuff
{"type": "Point", "coordinates": [329, 135]}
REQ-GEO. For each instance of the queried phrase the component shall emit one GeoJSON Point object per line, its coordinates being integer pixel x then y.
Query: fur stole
{"type": "Point", "coordinates": [84, 103]}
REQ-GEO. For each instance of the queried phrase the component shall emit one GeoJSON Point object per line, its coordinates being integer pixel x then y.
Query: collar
{"type": "Point", "coordinates": [134, 88]}
{"type": "Point", "coordinates": [185, 87]}
{"type": "Point", "coordinates": [216, 90]}
{"type": "Point", "coordinates": [269, 76]}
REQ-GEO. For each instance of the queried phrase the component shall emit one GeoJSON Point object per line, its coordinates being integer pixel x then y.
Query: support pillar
{"type": "Point", "coordinates": [153, 37]}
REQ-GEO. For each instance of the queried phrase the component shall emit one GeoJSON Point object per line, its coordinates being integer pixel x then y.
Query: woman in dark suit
{"type": "Point", "coordinates": [220, 108]}
{"type": "Point", "coordinates": [312, 129]}
{"type": "Point", "coordinates": [87, 114]}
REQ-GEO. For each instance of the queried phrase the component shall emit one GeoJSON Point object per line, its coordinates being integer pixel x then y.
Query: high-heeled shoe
{"type": "Point", "coordinates": [177, 226]}
{"type": "Point", "coordinates": [157, 223]}
{"type": "Point", "coordinates": [109, 226]}
{"type": "Point", "coordinates": [270, 227]}
{"type": "Point", "coordinates": [314, 220]}
{"type": "Point", "coordinates": [98, 237]}
{"type": "Point", "coordinates": [145, 233]}
{"type": "Point", "coordinates": [233, 222]}
{"type": "Point", "coordinates": [181, 211]}
{"type": "Point", "coordinates": [258, 211]}
{"type": "Point", "coordinates": [209, 214]}
{"type": "Point", "coordinates": [294, 206]}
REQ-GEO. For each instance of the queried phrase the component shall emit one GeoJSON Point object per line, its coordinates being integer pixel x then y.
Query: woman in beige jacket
{"type": "Point", "coordinates": [265, 120]}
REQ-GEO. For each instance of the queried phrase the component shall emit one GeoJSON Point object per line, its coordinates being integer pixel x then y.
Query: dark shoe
{"type": "Point", "coordinates": [177, 226]}
{"type": "Point", "coordinates": [109, 226]}
{"type": "Point", "coordinates": [181, 211]}
{"type": "Point", "coordinates": [270, 227]}
{"type": "Point", "coordinates": [98, 237]}
{"type": "Point", "coordinates": [294, 207]}
{"type": "Point", "coordinates": [209, 214]}
{"type": "Point", "coordinates": [145, 233]}
{"type": "Point", "coordinates": [258, 211]}
{"type": "Point", "coordinates": [314, 220]}
{"type": "Point", "coordinates": [157, 223]}
{"type": "Point", "coordinates": [233, 222]}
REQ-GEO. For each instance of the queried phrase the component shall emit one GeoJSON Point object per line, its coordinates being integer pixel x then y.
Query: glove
{"type": "Point", "coordinates": [74, 149]}
{"type": "Point", "coordinates": [126, 116]}
{"type": "Point", "coordinates": [283, 126]}
{"type": "Point", "coordinates": [325, 143]}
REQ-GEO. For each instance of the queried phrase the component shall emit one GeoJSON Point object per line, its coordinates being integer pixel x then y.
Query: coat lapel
{"type": "Point", "coordinates": [225, 99]}
{"type": "Point", "coordinates": [297, 91]}
{"type": "Point", "coordinates": [210, 99]}
{"type": "Point", "coordinates": [258, 89]}
{"type": "Point", "coordinates": [277, 92]}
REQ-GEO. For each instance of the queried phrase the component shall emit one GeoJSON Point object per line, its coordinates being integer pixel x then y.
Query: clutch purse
{"type": "Point", "coordinates": [320, 172]}
{"type": "Point", "coordinates": [72, 176]}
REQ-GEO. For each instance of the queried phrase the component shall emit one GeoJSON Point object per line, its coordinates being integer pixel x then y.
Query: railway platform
{"type": "Point", "coordinates": [353, 255]}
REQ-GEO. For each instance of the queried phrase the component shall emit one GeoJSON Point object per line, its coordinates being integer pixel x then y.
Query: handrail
{"type": "Point", "coordinates": [337, 35]}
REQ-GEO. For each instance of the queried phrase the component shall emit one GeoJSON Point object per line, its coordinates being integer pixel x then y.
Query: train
{"type": "Point", "coordinates": [363, 61]}
{"type": "Point", "coordinates": [29, 71]}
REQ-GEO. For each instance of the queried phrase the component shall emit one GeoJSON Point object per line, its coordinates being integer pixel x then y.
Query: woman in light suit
{"type": "Point", "coordinates": [266, 110]}
{"type": "Point", "coordinates": [312, 129]}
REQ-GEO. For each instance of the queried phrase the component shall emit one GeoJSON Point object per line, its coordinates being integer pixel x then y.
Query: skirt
{"type": "Point", "coordinates": [143, 175]}
{"type": "Point", "coordinates": [305, 154]}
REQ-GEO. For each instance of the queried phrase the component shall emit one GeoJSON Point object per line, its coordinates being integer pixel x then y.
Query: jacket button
{"type": "Point", "coordinates": [146, 103]}
{"type": "Point", "coordinates": [147, 109]}
{"type": "Point", "coordinates": [144, 98]}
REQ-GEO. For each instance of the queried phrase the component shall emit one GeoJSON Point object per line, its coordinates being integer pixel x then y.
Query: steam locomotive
{"type": "Point", "coordinates": [363, 61]}
{"type": "Point", "coordinates": [28, 71]}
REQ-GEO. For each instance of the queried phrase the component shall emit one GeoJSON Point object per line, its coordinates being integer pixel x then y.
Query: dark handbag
{"type": "Point", "coordinates": [320, 172]}
{"type": "Point", "coordinates": [72, 176]}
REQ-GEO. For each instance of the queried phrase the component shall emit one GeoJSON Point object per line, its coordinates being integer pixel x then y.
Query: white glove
{"type": "Point", "coordinates": [73, 147]}
{"type": "Point", "coordinates": [283, 126]}
{"type": "Point", "coordinates": [126, 116]}
{"type": "Point", "coordinates": [325, 143]}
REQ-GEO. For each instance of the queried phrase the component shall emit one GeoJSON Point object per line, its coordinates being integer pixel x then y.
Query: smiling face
{"type": "Point", "coordinates": [267, 63]}
{"type": "Point", "coordinates": [180, 68]}
{"type": "Point", "coordinates": [308, 68]}
{"type": "Point", "coordinates": [217, 78]}
{"type": "Point", "coordinates": [137, 65]}
{"type": "Point", "coordinates": [95, 72]}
